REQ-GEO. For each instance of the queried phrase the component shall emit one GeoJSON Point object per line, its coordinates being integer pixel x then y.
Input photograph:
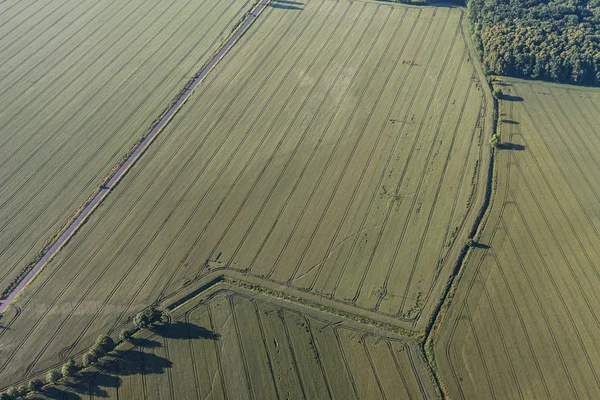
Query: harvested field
{"type": "Point", "coordinates": [237, 346]}
{"type": "Point", "coordinates": [524, 322]}
{"type": "Point", "coordinates": [80, 83]}
{"type": "Point", "coordinates": [336, 150]}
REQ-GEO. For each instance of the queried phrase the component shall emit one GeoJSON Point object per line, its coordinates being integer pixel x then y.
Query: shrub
{"type": "Point", "coordinates": [69, 368]}
{"type": "Point", "coordinates": [52, 376]}
{"type": "Point", "coordinates": [494, 141]}
{"type": "Point", "coordinates": [497, 92]}
{"type": "Point", "coordinates": [470, 242]}
{"type": "Point", "coordinates": [125, 335]}
{"type": "Point", "coordinates": [35, 385]}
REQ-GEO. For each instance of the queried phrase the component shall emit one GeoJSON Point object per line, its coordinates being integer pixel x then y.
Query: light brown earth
{"type": "Point", "coordinates": [524, 322]}
{"type": "Point", "coordinates": [338, 151]}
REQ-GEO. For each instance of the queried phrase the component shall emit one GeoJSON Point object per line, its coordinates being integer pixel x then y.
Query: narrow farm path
{"type": "Point", "coordinates": [131, 159]}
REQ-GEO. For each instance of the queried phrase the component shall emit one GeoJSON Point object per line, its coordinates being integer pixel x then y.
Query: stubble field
{"type": "Point", "coordinates": [337, 150]}
{"type": "Point", "coordinates": [80, 83]}
{"type": "Point", "coordinates": [524, 323]}
{"type": "Point", "coordinates": [242, 346]}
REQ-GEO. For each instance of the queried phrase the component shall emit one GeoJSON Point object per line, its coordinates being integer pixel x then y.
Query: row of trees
{"type": "Point", "coordinates": [555, 40]}
{"type": "Point", "coordinates": [104, 344]}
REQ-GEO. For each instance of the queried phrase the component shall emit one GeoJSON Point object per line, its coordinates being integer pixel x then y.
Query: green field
{"type": "Point", "coordinates": [80, 83]}
{"type": "Point", "coordinates": [239, 345]}
{"type": "Point", "coordinates": [524, 322]}
{"type": "Point", "coordinates": [338, 152]}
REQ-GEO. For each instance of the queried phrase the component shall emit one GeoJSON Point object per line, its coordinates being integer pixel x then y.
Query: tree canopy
{"type": "Point", "coordinates": [556, 40]}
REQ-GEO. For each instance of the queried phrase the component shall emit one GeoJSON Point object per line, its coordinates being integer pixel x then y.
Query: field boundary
{"type": "Point", "coordinates": [447, 294]}
{"type": "Point", "coordinates": [116, 174]}
{"type": "Point", "coordinates": [311, 300]}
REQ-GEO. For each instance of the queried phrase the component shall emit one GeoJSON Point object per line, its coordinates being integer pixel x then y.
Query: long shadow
{"type": "Point", "coordinates": [56, 393]}
{"type": "Point", "coordinates": [146, 343]}
{"type": "Point", "coordinates": [511, 146]}
{"type": "Point", "coordinates": [186, 330]}
{"type": "Point", "coordinates": [286, 5]}
{"type": "Point", "coordinates": [510, 122]}
{"type": "Point", "coordinates": [508, 97]}
{"type": "Point", "coordinates": [481, 245]}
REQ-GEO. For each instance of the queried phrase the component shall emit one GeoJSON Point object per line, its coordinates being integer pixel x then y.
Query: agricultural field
{"type": "Point", "coordinates": [237, 346]}
{"type": "Point", "coordinates": [338, 150]}
{"type": "Point", "coordinates": [81, 82]}
{"type": "Point", "coordinates": [524, 322]}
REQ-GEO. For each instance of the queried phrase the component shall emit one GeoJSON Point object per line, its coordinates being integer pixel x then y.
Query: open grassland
{"type": "Point", "coordinates": [236, 346]}
{"type": "Point", "coordinates": [336, 150]}
{"type": "Point", "coordinates": [524, 322]}
{"type": "Point", "coordinates": [80, 83]}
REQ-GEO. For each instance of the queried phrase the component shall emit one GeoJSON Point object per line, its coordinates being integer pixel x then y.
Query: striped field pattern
{"type": "Point", "coordinates": [524, 323]}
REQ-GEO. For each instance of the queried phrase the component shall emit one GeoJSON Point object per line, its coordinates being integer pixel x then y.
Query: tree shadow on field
{"type": "Point", "coordinates": [481, 245]}
{"type": "Point", "coordinates": [286, 5]}
{"type": "Point", "coordinates": [186, 330]}
{"type": "Point", "coordinates": [511, 146]}
{"type": "Point", "coordinates": [510, 122]}
{"type": "Point", "coordinates": [145, 343]}
{"type": "Point", "coordinates": [508, 97]}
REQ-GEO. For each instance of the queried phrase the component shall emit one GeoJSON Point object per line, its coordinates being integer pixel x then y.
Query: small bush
{"type": "Point", "coordinates": [52, 376]}
{"type": "Point", "coordinates": [69, 368]}
{"type": "Point", "coordinates": [35, 385]}
{"type": "Point", "coordinates": [470, 243]}
{"type": "Point", "coordinates": [494, 141]}
{"type": "Point", "coordinates": [497, 93]}
{"type": "Point", "coordinates": [125, 335]}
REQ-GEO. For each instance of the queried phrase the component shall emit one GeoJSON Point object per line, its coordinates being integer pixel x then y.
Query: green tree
{"type": "Point", "coordinates": [105, 343]}
{"type": "Point", "coordinates": [88, 359]}
{"type": "Point", "coordinates": [148, 317]}
{"type": "Point", "coordinates": [470, 242]}
{"type": "Point", "coordinates": [125, 335]}
{"type": "Point", "coordinates": [494, 141]}
{"type": "Point", "coordinates": [52, 376]}
{"type": "Point", "coordinates": [13, 393]}
{"type": "Point", "coordinates": [35, 385]}
{"type": "Point", "coordinates": [69, 368]}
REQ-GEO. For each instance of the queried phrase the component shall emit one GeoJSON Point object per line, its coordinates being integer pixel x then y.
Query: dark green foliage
{"type": "Point", "coordinates": [148, 317]}
{"type": "Point", "coordinates": [495, 140]}
{"type": "Point", "coordinates": [69, 368]}
{"type": "Point", "coordinates": [13, 393]}
{"type": "Point", "coordinates": [88, 359]}
{"type": "Point", "coordinates": [35, 385]}
{"type": "Point", "coordinates": [125, 335]}
{"type": "Point", "coordinates": [555, 40]}
{"type": "Point", "coordinates": [470, 242]}
{"type": "Point", "coordinates": [52, 376]}
{"type": "Point", "coordinates": [105, 343]}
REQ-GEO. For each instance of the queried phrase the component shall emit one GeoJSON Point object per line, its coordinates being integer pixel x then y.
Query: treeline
{"type": "Point", "coordinates": [556, 40]}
